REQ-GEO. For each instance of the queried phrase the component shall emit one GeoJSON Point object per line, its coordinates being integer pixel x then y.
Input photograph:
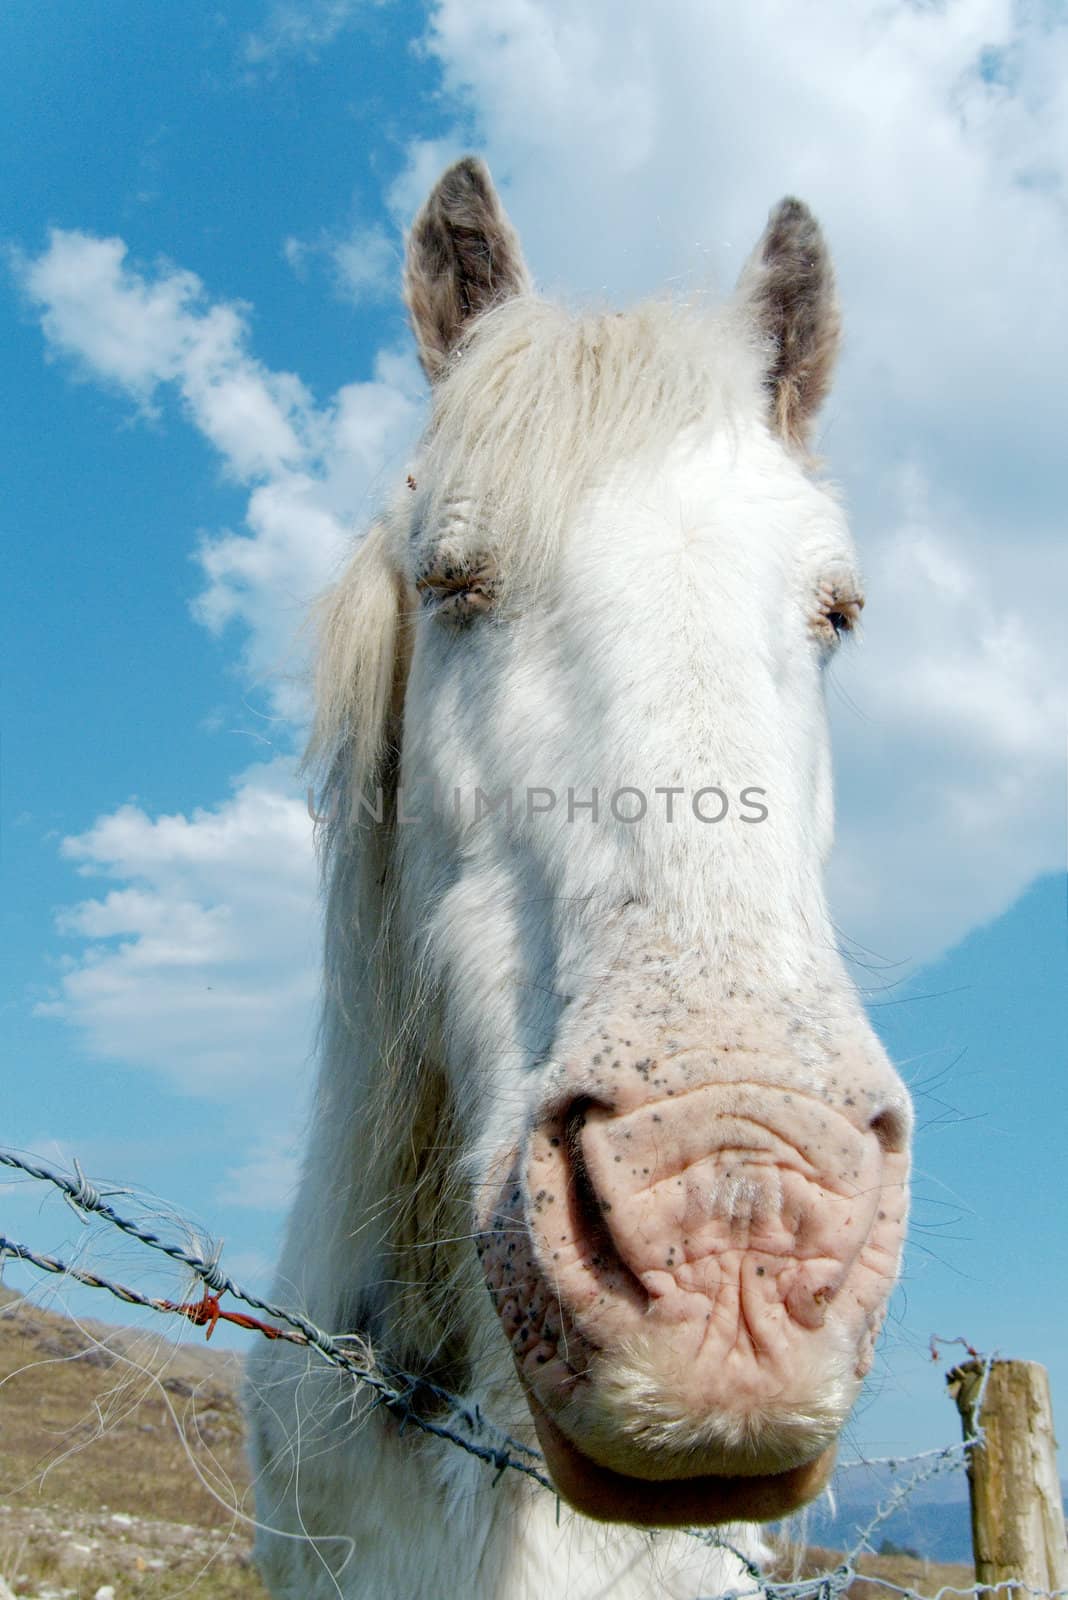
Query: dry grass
{"type": "Point", "coordinates": [105, 1437]}
{"type": "Point", "coordinates": [915, 1573]}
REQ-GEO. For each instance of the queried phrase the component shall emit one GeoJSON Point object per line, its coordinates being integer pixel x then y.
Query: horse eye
{"type": "Point", "coordinates": [838, 612]}
{"type": "Point", "coordinates": [458, 590]}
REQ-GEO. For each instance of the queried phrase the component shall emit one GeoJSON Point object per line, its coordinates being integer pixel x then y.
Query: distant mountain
{"type": "Point", "coordinates": [941, 1532]}
{"type": "Point", "coordinates": [934, 1519]}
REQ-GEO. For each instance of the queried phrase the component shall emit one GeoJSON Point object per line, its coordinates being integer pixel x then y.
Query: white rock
{"type": "Point", "coordinates": [105, 1592]}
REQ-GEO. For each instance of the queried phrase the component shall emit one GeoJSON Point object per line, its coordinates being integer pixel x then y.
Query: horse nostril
{"type": "Point", "coordinates": [584, 1198]}
{"type": "Point", "coordinates": [589, 1208]}
{"type": "Point", "coordinates": [891, 1128]}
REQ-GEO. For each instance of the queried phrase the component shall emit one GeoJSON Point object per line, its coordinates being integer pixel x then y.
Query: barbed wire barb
{"type": "Point", "coordinates": [464, 1424]}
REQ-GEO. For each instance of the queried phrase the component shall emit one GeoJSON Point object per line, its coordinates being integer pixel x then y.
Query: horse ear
{"type": "Point", "coordinates": [463, 257]}
{"type": "Point", "coordinates": [788, 285]}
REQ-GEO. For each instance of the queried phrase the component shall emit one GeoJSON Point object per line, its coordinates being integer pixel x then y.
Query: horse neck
{"type": "Point", "coordinates": [378, 1245]}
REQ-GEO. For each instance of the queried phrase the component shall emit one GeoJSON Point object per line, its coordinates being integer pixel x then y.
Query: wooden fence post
{"type": "Point", "coordinates": [1017, 1512]}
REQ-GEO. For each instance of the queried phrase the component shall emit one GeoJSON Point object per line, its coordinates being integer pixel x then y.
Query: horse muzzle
{"type": "Point", "coordinates": [691, 1258]}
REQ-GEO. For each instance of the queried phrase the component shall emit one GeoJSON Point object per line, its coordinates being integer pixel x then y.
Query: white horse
{"type": "Point", "coordinates": [587, 1040]}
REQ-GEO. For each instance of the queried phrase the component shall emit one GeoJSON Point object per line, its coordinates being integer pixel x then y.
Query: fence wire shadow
{"type": "Point", "coordinates": [464, 1426]}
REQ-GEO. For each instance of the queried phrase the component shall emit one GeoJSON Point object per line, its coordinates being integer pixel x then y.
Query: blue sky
{"type": "Point", "coordinates": [210, 384]}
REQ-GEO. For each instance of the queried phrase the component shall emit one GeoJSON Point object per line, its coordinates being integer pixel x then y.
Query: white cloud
{"type": "Point", "coordinates": [296, 253]}
{"type": "Point", "coordinates": [202, 964]}
{"type": "Point", "coordinates": [266, 1179]}
{"type": "Point", "coordinates": [676, 130]}
{"type": "Point", "coordinates": [949, 730]}
{"type": "Point", "coordinates": [301, 523]}
{"type": "Point", "coordinates": [365, 263]}
{"type": "Point", "coordinates": [138, 332]}
{"type": "Point", "coordinates": [302, 28]}
{"type": "Point", "coordinates": [314, 472]}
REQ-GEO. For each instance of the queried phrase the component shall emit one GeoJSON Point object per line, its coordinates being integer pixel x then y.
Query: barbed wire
{"type": "Point", "coordinates": [464, 1426]}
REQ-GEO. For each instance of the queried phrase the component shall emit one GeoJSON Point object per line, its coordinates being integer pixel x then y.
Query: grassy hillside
{"type": "Point", "coordinates": [112, 1443]}
{"type": "Point", "coordinates": [913, 1573]}
{"type": "Point", "coordinates": [103, 1433]}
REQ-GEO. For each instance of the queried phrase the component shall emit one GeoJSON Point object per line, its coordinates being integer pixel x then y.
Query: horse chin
{"type": "Point", "coordinates": [608, 1496]}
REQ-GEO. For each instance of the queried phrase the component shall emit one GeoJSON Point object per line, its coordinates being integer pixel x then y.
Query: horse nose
{"type": "Point", "coordinates": [892, 1124]}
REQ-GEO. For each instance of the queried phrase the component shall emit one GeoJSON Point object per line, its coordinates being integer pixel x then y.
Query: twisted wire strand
{"type": "Point", "coordinates": [481, 1438]}
{"type": "Point", "coordinates": [466, 1427]}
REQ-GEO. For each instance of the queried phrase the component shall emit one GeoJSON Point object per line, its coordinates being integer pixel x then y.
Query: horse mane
{"type": "Point", "coordinates": [381, 1077]}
